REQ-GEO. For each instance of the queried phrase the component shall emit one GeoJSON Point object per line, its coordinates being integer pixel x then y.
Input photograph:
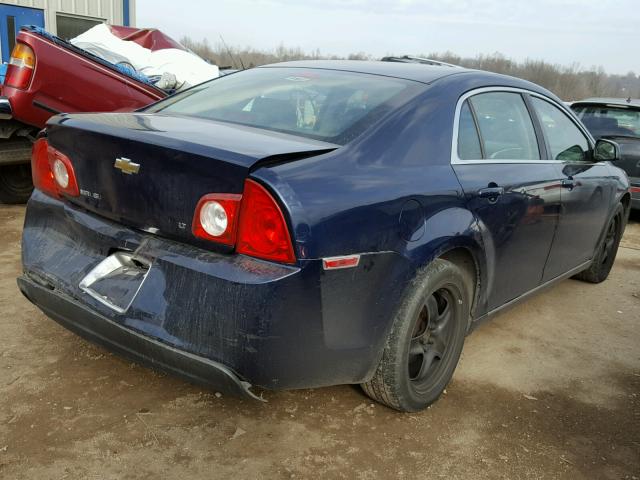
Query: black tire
{"type": "Point", "coordinates": [426, 339]}
{"type": "Point", "coordinates": [15, 150]}
{"type": "Point", "coordinates": [15, 178]}
{"type": "Point", "coordinates": [606, 252]}
{"type": "Point", "coordinates": [15, 183]}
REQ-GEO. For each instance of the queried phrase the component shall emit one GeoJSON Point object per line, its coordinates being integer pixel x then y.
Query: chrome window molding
{"type": "Point", "coordinates": [456, 160]}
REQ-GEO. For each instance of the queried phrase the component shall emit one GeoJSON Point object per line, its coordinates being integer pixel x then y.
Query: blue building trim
{"type": "Point", "coordinates": [126, 20]}
{"type": "Point", "coordinates": [21, 16]}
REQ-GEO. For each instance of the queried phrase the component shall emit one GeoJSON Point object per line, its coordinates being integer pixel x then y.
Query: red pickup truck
{"type": "Point", "coordinates": [46, 76]}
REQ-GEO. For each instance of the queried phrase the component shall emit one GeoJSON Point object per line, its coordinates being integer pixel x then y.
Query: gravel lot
{"type": "Point", "coordinates": [550, 389]}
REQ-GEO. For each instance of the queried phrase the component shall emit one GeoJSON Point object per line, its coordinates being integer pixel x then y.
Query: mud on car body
{"type": "Point", "coordinates": [317, 223]}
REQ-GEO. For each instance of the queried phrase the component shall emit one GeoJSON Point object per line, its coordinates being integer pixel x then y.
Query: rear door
{"type": "Point", "coordinates": [515, 194]}
{"type": "Point", "coordinates": [587, 189]}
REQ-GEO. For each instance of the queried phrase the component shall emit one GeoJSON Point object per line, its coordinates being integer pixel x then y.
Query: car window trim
{"type": "Point", "coordinates": [456, 160]}
{"type": "Point", "coordinates": [472, 109]}
{"type": "Point", "coordinates": [544, 148]}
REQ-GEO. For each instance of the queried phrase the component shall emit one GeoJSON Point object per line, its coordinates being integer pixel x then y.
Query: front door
{"type": "Point", "coordinates": [513, 192]}
{"type": "Point", "coordinates": [587, 190]}
{"type": "Point", "coordinates": [12, 18]}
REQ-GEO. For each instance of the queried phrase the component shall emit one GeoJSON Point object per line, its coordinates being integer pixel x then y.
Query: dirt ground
{"type": "Point", "coordinates": [550, 389]}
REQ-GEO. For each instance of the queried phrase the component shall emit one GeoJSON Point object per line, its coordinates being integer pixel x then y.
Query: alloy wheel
{"type": "Point", "coordinates": [610, 240]}
{"type": "Point", "coordinates": [431, 337]}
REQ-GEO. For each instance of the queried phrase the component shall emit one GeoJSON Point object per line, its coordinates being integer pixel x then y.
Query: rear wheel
{"type": "Point", "coordinates": [15, 178]}
{"type": "Point", "coordinates": [605, 255]}
{"type": "Point", "coordinates": [426, 339]}
{"type": "Point", "coordinates": [15, 183]}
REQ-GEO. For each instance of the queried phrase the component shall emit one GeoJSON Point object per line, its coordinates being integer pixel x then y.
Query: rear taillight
{"type": "Point", "coordinates": [20, 68]}
{"type": "Point", "coordinates": [52, 171]}
{"type": "Point", "coordinates": [252, 222]}
{"type": "Point", "coordinates": [262, 230]}
{"type": "Point", "coordinates": [215, 218]}
{"type": "Point", "coordinates": [63, 173]}
{"type": "Point", "coordinates": [41, 172]}
{"type": "Point", "coordinates": [635, 189]}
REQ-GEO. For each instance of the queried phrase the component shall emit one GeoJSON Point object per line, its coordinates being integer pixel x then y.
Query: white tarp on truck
{"type": "Point", "coordinates": [169, 63]}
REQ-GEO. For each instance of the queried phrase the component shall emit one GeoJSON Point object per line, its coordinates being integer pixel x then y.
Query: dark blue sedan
{"type": "Point", "coordinates": [317, 223]}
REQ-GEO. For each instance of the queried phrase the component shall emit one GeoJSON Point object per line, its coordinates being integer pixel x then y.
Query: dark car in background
{"type": "Point", "coordinates": [617, 119]}
{"type": "Point", "coordinates": [317, 223]}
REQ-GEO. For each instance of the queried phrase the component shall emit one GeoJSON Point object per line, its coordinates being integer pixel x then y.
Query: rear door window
{"type": "Point", "coordinates": [506, 128]}
{"type": "Point", "coordinates": [566, 141]}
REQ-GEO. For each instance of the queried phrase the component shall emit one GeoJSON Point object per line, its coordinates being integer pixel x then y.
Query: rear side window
{"type": "Point", "coordinates": [468, 139]}
{"type": "Point", "coordinates": [506, 128]}
{"type": "Point", "coordinates": [566, 141]}
{"type": "Point", "coordinates": [327, 105]}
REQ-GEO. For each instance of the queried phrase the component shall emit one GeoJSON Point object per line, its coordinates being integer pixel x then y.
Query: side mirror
{"type": "Point", "coordinates": [606, 151]}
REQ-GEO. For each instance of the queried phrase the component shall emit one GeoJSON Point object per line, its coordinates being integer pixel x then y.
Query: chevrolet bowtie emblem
{"type": "Point", "coordinates": [126, 166]}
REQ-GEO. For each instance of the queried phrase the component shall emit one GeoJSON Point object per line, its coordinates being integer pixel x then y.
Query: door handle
{"type": "Point", "coordinates": [492, 193]}
{"type": "Point", "coordinates": [568, 183]}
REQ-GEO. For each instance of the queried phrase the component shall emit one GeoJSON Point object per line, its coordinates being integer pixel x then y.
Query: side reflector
{"type": "Point", "coordinates": [336, 263]}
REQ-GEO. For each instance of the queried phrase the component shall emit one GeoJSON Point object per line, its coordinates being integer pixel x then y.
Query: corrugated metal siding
{"type": "Point", "coordinates": [27, 3]}
{"type": "Point", "coordinates": [110, 11]}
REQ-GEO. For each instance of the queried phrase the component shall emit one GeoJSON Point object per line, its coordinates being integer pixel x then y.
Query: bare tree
{"type": "Point", "coordinates": [571, 82]}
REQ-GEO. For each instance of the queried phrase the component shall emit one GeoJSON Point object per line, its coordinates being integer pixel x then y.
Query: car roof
{"type": "Point", "coordinates": [621, 102]}
{"type": "Point", "coordinates": [426, 74]}
{"type": "Point", "coordinates": [407, 71]}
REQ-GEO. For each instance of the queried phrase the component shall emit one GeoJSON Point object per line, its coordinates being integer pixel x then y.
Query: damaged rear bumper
{"type": "Point", "coordinates": [212, 317]}
{"type": "Point", "coordinates": [99, 329]}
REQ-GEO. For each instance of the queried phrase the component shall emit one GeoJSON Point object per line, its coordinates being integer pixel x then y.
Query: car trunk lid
{"type": "Point", "coordinates": [149, 171]}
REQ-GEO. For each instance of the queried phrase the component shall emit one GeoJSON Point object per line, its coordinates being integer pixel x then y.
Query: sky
{"type": "Point", "coordinates": [587, 32]}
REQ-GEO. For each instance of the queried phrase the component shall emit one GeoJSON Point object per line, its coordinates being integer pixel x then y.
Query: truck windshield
{"type": "Point", "coordinates": [610, 120]}
{"type": "Point", "coordinates": [329, 105]}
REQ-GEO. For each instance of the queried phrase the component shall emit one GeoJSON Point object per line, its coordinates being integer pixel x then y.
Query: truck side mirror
{"type": "Point", "coordinates": [606, 151]}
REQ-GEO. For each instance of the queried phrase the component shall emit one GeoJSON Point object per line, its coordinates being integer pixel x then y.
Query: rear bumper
{"type": "Point", "coordinates": [273, 326]}
{"type": "Point", "coordinates": [99, 329]}
{"type": "Point", "coordinates": [6, 112]}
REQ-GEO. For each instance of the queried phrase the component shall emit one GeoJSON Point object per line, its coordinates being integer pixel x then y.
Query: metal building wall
{"type": "Point", "coordinates": [111, 11]}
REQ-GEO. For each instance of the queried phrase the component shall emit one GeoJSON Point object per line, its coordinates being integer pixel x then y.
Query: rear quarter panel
{"type": "Point", "coordinates": [390, 196]}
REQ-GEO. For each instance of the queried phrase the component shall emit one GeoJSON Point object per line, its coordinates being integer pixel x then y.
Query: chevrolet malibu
{"type": "Point", "coordinates": [317, 223]}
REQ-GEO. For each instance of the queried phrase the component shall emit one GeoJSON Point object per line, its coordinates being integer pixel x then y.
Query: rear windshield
{"type": "Point", "coordinates": [327, 105]}
{"type": "Point", "coordinates": [608, 120]}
